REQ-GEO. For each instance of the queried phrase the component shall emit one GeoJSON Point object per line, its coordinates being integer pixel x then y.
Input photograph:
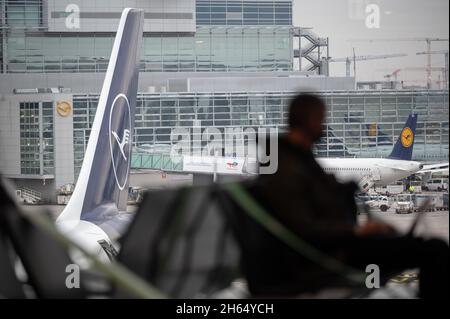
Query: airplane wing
{"type": "Point", "coordinates": [440, 170]}
{"type": "Point", "coordinates": [434, 168]}
{"type": "Point", "coordinates": [392, 167]}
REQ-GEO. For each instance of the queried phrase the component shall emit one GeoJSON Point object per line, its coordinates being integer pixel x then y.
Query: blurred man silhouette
{"type": "Point", "coordinates": [322, 211]}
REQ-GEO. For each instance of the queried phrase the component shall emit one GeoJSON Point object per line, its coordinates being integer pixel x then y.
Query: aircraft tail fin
{"type": "Point", "coordinates": [403, 148]}
{"type": "Point", "coordinates": [103, 179]}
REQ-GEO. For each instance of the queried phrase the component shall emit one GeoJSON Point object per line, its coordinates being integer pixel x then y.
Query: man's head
{"type": "Point", "coordinates": [306, 116]}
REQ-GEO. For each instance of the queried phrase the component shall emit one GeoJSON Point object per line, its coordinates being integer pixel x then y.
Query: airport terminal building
{"type": "Point", "coordinates": [204, 63]}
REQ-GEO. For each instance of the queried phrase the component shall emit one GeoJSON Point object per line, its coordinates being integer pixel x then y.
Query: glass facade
{"type": "Point", "coordinates": [2, 64]}
{"type": "Point", "coordinates": [244, 12]}
{"type": "Point", "coordinates": [83, 117]}
{"type": "Point", "coordinates": [23, 13]}
{"type": "Point", "coordinates": [361, 123]}
{"type": "Point", "coordinates": [208, 12]}
{"type": "Point", "coordinates": [211, 49]}
{"type": "Point", "coordinates": [36, 138]}
{"type": "Point", "coordinates": [230, 36]}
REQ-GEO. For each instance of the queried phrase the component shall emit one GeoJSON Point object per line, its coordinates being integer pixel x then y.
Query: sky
{"type": "Point", "coordinates": [340, 21]}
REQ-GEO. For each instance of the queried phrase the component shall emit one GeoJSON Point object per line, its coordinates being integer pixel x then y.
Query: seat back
{"type": "Point", "coordinates": [44, 260]}
{"type": "Point", "coordinates": [181, 243]}
{"type": "Point", "coordinates": [10, 286]}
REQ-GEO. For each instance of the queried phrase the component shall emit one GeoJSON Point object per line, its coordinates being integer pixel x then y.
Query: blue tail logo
{"type": "Point", "coordinates": [407, 137]}
{"type": "Point", "coordinates": [403, 148]}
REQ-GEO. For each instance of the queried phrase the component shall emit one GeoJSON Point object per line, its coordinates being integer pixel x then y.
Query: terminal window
{"type": "Point", "coordinates": [36, 138]}
{"type": "Point", "coordinates": [244, 12]}
{"type": "Point", "coordinates": [24, 12]}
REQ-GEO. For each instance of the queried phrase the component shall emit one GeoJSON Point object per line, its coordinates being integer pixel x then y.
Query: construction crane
{"type": "Point", "coordinates": [393, 74]}
{"type": "Point", "coordinates": [429, 70]}
{"type": "Point", "coordinates": [445, 53]}
{"type": "Point", "coordinates": [349, 59]}
{"type": "Point", "coordinates": [389, 76]}
{"type": "Point", "coordinates": [396, 72]}
{"type": "Point", "coordinates": [428, 52]}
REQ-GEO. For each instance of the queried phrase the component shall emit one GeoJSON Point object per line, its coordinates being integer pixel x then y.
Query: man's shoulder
{"type": "Point", "coordinates": [289, 172]}
{"type": "Point", "coordinates": [291, 163]}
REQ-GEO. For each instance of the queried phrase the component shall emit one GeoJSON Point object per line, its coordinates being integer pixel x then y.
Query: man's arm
{"type": "Point", "coordinates": [292, 205]}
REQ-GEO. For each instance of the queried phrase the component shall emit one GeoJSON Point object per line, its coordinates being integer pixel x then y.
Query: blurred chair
{"type": "Point", "coordinates": [44, 260]}
{"type": "Point", "coordinates": [180, 241]}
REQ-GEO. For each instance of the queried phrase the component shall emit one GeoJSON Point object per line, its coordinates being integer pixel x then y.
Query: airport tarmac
{"type": "Point", "coordinates": [434, 224]}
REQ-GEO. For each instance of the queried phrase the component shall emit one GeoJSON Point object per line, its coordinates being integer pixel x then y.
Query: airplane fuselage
{"type": "Point", "coordinates": [88, 236]}
{"type": "Point", "coordinates": [381, 171]}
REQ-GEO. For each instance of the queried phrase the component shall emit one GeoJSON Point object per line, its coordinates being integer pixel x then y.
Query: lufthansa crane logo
{"type": "Point", "coordinates": [122, 142]}
{"type": "Point", "coordinates": [120, 138]}
{"type": "Point", "coordinates": [407, 137]}
{"type": "Point", "coordinates": [63, 108]}
{"type": "Point", "coordinates": [372, 130]}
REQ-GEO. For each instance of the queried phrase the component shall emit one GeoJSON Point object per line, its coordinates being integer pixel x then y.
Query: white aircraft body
{"type": "Point", "coordinates": [367, 172]}
{"type": "Point", "coordinates": [370, 172]}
